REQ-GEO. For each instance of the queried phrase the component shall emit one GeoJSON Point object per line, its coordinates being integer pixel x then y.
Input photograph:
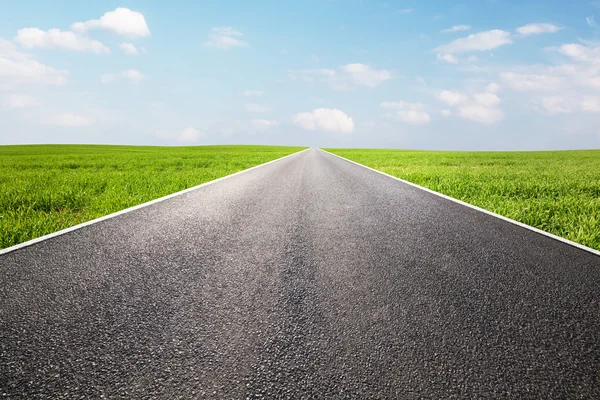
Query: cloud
{"type": "Point", "coordinates": [482, 41]}
{"type": "Point", "coordinates": [8, 50]}
{"type": "Point", "coordinates": [18, 68]}
{"type": "Point", "coordinates": [580, 53]}
{"type": "Point", "coordinates": [122, 21]}
{"type": "Point", "coordinates": [11, 101]}
{"type": "Point", "coordinates": [225, 38]}
{"type": "Point", "coordinates": [478, 107]}
{"type": "Point", "coordinates": [129, 49]}
{"type": "Point", "coordinates": [364, 75]}
{"type": "Point", "coordinates": [411, 113]}
{"type": "Point", "coordinates": [457, 28]}
{"type": "Point", "coordinates": [590, 21]}
{"type": "Point", "coordinates": [252, 93]}
{"type": "Point", "coordinates": [70, 120]}
{"type": "Point", "coordinates": [557, 104]}
{"type": "Point", "coordinates": [536, 29]}
{"type": "Point", "coordinates": [493, 88]}
{"type": "Point", "coordinates": [531, 82]}
{"type": "Point", "coordinates": [449, 58]}
{"type": "Point", "coordinates": [571, 87]}
{"type": "Point", "coordinates": [259, 108]}
{"type": "Point", "coordinates": [452, 98]}
{"type": "Point", "coordinates": [487, 99]}
{"type": "Point", "coordinates": [566, 104]}
{"type": "Point", "coordinates": [187, 135]}
{"type": "Point", "coordinates": [133, 75]}
{"type": "Point", "coordinates": [263, 124]}
{"type": "Point", "coordinates": [345, 77]}
{"type": "Point", "coordinates": [591, 104]}
{"type": "Point", "coordinates": [55, 39]}
{"type": "Point", "coordinates": [406, 10]}
{"type": "Point", "coordinates": [324, 119]}
{"type": "Point", "coordinates": [130, 75]}
{"type": "Point", "coordinates": [481, 114]}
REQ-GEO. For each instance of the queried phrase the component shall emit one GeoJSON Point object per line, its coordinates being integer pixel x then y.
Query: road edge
{"type": "Point", "coordinates": [130, 209]}
{"type": "Point", "coordinates": [512, 221]}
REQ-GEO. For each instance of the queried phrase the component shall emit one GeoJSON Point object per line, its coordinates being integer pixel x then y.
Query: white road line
{"type": "Point", "coordinates": [94, 221]}
{"type": "Point", "coordinates": [512, 221]}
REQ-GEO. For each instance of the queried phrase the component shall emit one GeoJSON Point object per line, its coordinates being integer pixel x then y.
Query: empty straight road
{"type": "Point", "coordinates": [310, 277]}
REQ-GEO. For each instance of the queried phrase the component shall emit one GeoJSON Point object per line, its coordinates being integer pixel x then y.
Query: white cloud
{"type": "Point", "coordinates": [364, 75]}
{"type": "Point", "coordinates": [487, 99]}
{"type": "Point", "coordinates": [129, 49]}
{"type": "Point", "coordinates": [8, 50]}
{"type": "Point", "coordinates": [565, 88]}
{"type": "Point", "coordinates": [536, 29]}
{"type": "Point", "coordinates": [406, 10]}
{"type": "Point", "coordinates": [568, 103]}
{"type": "Point", "coordinates": [187, 135]}
{"type": "Point", "coordinates": [122, 21]}
{"type": "Point", "coordinates": [492, 88]}
{"type": "Point", "coordinates": [452, 98]}
{"type": "Point", "coordinates": [590, 21]}
{"type": "Point", "coordinates": [531, 82]}
{"type": "Point", "coordinates": [225, 38]}
{"type": "Point", "coordinates": [252, 93]}
{"type": "Point", "coordinates": [557, 104]}
{"type": "Point", "coordinates": [18, 68]}
{"type": "Point", "coordinates": [346, 76]}
{"type": "Point", "coordinates": [263, 124]}
{"type": "Point", "coordinates": [70, 120]}
{"type": "Point", "coordinates": [131, 75]}
{"type": "Point", "coordinates": [457, 28]}
{"type": "Point", "coordinates": [259, 108]}
{"type": "Point", "coordinates": [449, 58]}
{"type": "Point", "coordinates": [482, 41]}
{"type": "Point", "coordinates": [55, 39]}
{"type": "Point", "coordinates": [591, 104]}
{"type": "Point", "coordinates": [31, 71]}
{"type": "Point", "coordinates": [15, 100]}
{"type": "Point", "coordinates": [411, 113]}
{"type": "Point", "coordinates": [481, 114]}
{"type": "Point", "coordinates": [108, 78]}
{"type": "Point", "coordinates": [324, 119]}
{"type": "Point", "coordinates": [580, 53]}
{"type": "Point", "coordinates": [478, 107]}
{"type": "Point", "coordinates": [413, 117]}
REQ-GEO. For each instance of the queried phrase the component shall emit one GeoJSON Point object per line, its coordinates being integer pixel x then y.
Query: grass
{"type": "Point", "coordinates": [556, 191]}
{"type": "Point", "coordinates": [45, 188]}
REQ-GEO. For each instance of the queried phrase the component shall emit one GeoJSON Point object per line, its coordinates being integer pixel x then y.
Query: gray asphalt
{"type": "Point", "coordinates": [308, 278]}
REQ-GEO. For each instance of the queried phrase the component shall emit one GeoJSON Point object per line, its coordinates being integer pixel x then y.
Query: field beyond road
{"type": "Point", "coordinates": [45, 188]}
{"type": "Point", "coordinates": [556, 191]}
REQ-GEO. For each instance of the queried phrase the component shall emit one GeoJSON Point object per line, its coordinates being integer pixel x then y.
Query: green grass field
{"type": "Point", "coordinates": [556, 191]}
{"type": "Point", "coordinates": [45, 188]}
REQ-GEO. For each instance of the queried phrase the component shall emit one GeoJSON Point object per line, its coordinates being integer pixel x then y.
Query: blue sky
{"type": "Point", "coordinates": [481, 75]}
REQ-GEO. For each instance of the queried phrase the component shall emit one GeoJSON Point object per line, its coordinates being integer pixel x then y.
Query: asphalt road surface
{"type": "Point", "coordinates": [307, 278]}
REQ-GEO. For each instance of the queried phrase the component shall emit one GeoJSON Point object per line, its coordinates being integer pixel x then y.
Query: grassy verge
{"type": "Point", "coordinates": [556, 191]}
{"type": "Point", "coordinates": [45, 188]}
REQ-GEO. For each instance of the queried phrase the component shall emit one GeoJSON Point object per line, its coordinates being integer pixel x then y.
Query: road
{"type": "Point", "coordinates": [310, 277]}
